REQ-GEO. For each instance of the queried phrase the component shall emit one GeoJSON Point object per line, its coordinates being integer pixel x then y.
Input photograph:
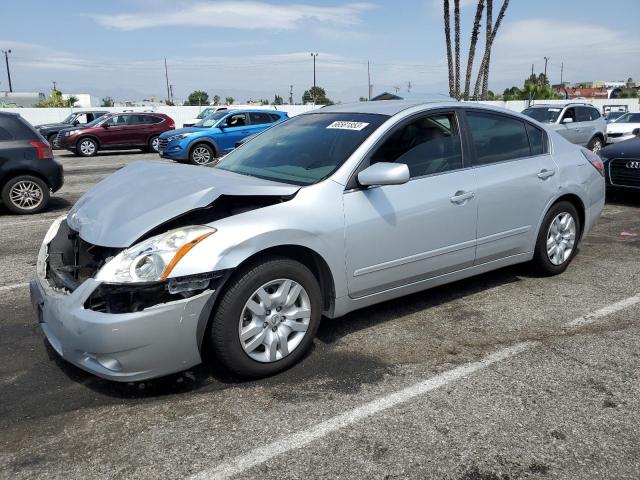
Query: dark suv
{"type": "Point", "coordinates": [51, 130]}
{"type": "Point", "coordinates": [28, 172]}
{"type": "Point", "coordinates": [118, 131]}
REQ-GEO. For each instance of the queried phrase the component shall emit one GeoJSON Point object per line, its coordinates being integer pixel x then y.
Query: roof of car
{"type": "Point", "coordinates": [382, 107]}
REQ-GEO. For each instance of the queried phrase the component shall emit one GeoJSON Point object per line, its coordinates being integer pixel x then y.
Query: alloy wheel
{"type": "Point", "coordinates": [26, 195]}
{"type": "Point", "coordinates": [87, 147]}
{"type": "Point", "coordinates": [155, 143]}
{"type": "Point", "coordinates": [201, 155]}
{"type": "Point", "coordinates": [274, 320]}
{"type": "Point", "coordinates": [597, 146]}
{"type": "Point", "coordinates": [561, 238]}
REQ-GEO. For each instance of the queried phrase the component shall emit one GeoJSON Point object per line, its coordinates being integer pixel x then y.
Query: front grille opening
{"type": "Point", "coordinates": [71, 260]}
{"type": "Point", "coordinates": [622, 176]}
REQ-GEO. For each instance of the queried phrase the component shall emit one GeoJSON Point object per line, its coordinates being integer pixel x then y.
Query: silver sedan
{"type": "Point", "coordinates": [328, 212]}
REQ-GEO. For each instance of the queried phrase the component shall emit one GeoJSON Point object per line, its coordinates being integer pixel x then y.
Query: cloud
{"type": "Point", "coordinates": [589, 52]}
{"type": "Point", "coordinates": [252, 15]}
{"type": "Point", "coordinates": [41, 57]}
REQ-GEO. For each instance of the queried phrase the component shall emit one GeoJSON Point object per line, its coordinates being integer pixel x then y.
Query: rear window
{"type": "Point", "coordinates": [17, 128]}
{"type": "Point", "coordinates": [497, 138]}
{"type": "Point", "coordinates": [5, 135]}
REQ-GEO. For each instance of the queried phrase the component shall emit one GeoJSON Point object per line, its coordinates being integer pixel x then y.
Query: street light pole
{"type": "Point", "coordinates": [314, 55]}
{"type": "Point", "coordinates": [546, 60]}
{"type": "Point", "coordinates": [6, 60]}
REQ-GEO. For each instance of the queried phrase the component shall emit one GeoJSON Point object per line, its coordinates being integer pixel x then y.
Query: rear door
{"type": "Point", "coordinates": [569, 130]}
{"type": "Point", "coordinates": [516, 178]}
{"type": "Point", "coordinates": [585, 125]}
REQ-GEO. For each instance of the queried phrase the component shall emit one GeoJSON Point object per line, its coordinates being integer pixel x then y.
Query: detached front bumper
{"type": "Point", "coordinates": [157, 341]}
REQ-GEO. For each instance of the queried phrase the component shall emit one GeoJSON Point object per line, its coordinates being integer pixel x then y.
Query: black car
{"type": "Point", "coordinates": [622, 164]}
{"type": "Point", "coordinates": [50, 130]}
{"type": "Point", "coordinates": [28, 172]}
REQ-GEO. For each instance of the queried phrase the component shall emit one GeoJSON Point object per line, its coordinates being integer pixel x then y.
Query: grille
{"type": "Point", "coordinates": [162, 143]}
{"type": "Point", "coordinates": [621, 175]}
{"type": "Point", "coordinates": [56, 142]}
{"type": "Point", "coordinates": [71, 260]}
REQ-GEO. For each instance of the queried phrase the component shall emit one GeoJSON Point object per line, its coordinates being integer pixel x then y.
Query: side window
{"type": "Point", "coordinates": [115, 120]}
{"type": "Point", "coordinates": [237, 120]}
{"type": "Point", "coordinates": [82, 119]}
{"type": "Point", "coordinates": [260, 118]}
{"type": "Point", "coordinates": [595, 114]}
{"type": "Point", "coordinates": [5, 135]}
{"type": "Point", "coordinates": [569, 113]}
{"type": "Point", "coordinates": [583, 114]}
{"type": "Point", "coordinates": [497, 138]}
{"type": "Point", "coordinates": [427, 145]}
{"type": "Point", "coordinates": [274, 117]}
{"type": "Point", "coordinates": [90, 117]}
{"type": "Point", "coordinates": [537, 140]}
{"type": "Point", "coordinates": [151, 119]}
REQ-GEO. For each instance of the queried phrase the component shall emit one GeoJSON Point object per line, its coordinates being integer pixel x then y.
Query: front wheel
{"type": "Point", "coordinates": [595, 145]}
{"type": "Point", "coordinates": [558, 239]}
{"type": "Point", "coordinates": [86, 147]}
{"type": "Point", "coordinates": [266, 320]}
{"type": "Point", "coordinates": [201, 154]}
{"type": "Point", "coordinates": [25, 194]}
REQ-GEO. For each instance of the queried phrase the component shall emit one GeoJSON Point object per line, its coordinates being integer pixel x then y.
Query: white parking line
{"type": "Point", "coordinates": [31, 222]}
{"type": "Point", "coordinates": [5, 288]}
{"type": "Point", "coordinates": [239, 464]}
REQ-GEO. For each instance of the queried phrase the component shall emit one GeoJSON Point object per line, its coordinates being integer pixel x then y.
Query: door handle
{"type": "Point", "coordinates": [461, 197]}
{"type": "Point", "coordinates": [544, 174]}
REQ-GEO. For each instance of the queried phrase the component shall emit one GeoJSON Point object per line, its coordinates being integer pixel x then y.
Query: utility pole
{"type": "Point", "coordinates": [409, 86]}
{"type": "Point", "coordinates": [368, 80]}
{"type": "Point", "coordinates": [314, 55]}
{"type": "Point", "coordinates": [166, 76]}
{"type": "Point", "coordinates": [171, 93]}
{"type": "Point", "coordinates": [54, 86]}
{"type": "Point", "coordinates": [532, 74]}
{"type": "Point", "coordinates": [6, 61]}
{"type": "Point", "coordinates": [546, 60]}
{"type": "Point", "coordinates": [290, 94]}
{"type": "Point", "coordinates": [562, 74]}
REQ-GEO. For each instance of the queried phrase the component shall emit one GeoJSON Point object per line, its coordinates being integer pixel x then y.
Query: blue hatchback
{"type": "Point", "coordinates": [216, 135]}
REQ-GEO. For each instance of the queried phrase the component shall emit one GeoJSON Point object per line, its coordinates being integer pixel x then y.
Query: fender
{"type": "Point", "coordinates": [204, 139]}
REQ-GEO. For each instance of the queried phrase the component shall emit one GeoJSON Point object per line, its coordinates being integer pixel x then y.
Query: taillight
{"type": "Point", "coordinates": [44, 150]}
{"type": "Point", "coordinates": [594, 160]}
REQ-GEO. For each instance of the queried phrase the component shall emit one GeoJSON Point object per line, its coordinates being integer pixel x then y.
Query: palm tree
{"type": "Point", "coordinates": [456, 27]}
{"type": "Point", "coordinates": [485, 72]}
{"type": "Point", "coordinates": [472, 47]}
{"type": "Point", "coordinates": [447, 36]}
{"type": "Point", "coordinates": [487, 49]}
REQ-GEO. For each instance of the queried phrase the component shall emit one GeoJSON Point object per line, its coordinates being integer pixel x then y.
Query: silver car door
{"type": "Point", "coordinates": [399, 234]}
{"type": "Point", "coordinates": [516, 178]}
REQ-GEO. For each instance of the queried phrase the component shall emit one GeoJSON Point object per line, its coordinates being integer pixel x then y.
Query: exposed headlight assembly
{"type": "Point", "coordinates": [153, 259]}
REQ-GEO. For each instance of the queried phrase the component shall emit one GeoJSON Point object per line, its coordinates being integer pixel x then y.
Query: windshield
{"type": "Point", "coordinates": [543, 115]}
{"type": "Point", "coordinates": [205, 113]}
{"type": "Point", "coordinates": [304, 149]}
{"type": "Point", "coordinates": [97, 120]}
{"type": "Point", "coordinates": [211, 120]}
{"type": "Point", "coordinates": [628, 118]}
{"type": "Point", "coordinates": [69, 118]}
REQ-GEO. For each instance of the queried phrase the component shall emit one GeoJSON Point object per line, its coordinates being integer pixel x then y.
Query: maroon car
{"type": "Point", "coordinates": [117, 131]}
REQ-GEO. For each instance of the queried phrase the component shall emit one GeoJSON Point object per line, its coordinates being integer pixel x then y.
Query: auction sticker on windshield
{"type": "Point", "coordinates": [348, 125]}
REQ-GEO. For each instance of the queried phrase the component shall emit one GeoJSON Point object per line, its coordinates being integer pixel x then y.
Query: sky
{"type": "Point", "coordinates": [257, 49]}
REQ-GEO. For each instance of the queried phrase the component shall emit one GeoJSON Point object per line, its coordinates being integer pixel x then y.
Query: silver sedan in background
{"type": "Point", "coordinates": [328, 212]}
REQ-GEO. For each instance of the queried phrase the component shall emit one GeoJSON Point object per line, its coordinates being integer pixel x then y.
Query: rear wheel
{"type": "Point", "coordinates": [595, 145]}
{"type": "Point", "coordinates": [266, 320]}
{"type": "Point", "coordinates": [558, 239]}
{"type": "Point", "coordinates": [25, 194]}
{"type": "Point", "coordinates": [201, 154]}
{"type": "Point", "coordinates": [86, 147]}
{"type": "Point", "coordinates": [154, 143]}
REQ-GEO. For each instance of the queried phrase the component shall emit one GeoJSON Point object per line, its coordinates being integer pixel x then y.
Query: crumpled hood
{"type": "Point", "coordinates": [139, 197]}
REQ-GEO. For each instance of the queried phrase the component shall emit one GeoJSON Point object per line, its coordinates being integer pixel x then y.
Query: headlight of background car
{"type": "Point", "coordinates": [153, 259]}
{"type": "Point", "coordinates": [179, 136]}
{"type": "Point", "coordinates": [72, 132]}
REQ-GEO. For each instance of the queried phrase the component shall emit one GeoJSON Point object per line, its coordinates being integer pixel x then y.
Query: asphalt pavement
{"type": "Point", "coordinates": [501, 377]}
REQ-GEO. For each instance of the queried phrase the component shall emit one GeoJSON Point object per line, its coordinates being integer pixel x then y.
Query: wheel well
{"type": "Point", "coordinates": [95, 139]}
{"type": "Point", "coordinates": [312, 260]}
{"type": "Point", "coordinates": [577, 203]}
{"type": "Point", "coordinates": [16, 173]}
{"type": "Point", "coordinates": [597, 135]}
{"type": "Point", "coordinates": [200, 142]}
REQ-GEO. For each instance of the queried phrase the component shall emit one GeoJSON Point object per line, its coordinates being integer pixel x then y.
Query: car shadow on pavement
{"type": "Point", "coordinates": [624, 198]}
{"type": "Point", "coordinates": [336, 370]}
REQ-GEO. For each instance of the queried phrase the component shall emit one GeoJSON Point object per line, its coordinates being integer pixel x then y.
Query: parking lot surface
{"type": "Point", "coordinates": [503, 376]}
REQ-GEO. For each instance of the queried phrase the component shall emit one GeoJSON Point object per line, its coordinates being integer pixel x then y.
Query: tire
{"type": "Point", "coordinates": [595, 145]}
{"type": "Point", "coordinates": [86, 147]}
{"type": "Point", "coordinates": [553, 263]}
{"type": "Point", "coordinates": [51, 139]}
{"type": "Point", "coordinates": [153, 144]}
{"type": "Point", "coordinates": [201, 154]}
{"type": "Point", "coordinates": [268, 327]}
{"type": "Point", "coordinates": [25, 195]}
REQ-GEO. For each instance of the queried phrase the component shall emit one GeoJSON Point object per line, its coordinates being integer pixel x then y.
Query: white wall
{"type": "Point", "coordinates": [181, 114]}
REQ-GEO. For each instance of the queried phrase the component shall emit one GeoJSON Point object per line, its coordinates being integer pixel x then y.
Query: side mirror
{"type": "Point", "coordinates": [384, 173]}
{"type": "Point", "coordinates": [105, 125]}
{"type": "Point", "coordinates": [567, 120]}
{"type": "Point", "coordinates": [76, 123]}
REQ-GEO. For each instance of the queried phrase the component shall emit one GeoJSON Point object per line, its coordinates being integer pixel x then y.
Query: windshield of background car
{"type": "Point", "coordinates": [97, 121]}
{"type": "Point", "coordinates": [211, 120]}
{"type": "Point", "coordinates": [205, 113]}
{"type": "Point", "coordinates": [543, 115]}
{"type": "Point", "coordinates": [304, 149]}
{"type": "Point", "coordinates": [69, 118]}
{"type": "Point", "coordinates": [628, 118]}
